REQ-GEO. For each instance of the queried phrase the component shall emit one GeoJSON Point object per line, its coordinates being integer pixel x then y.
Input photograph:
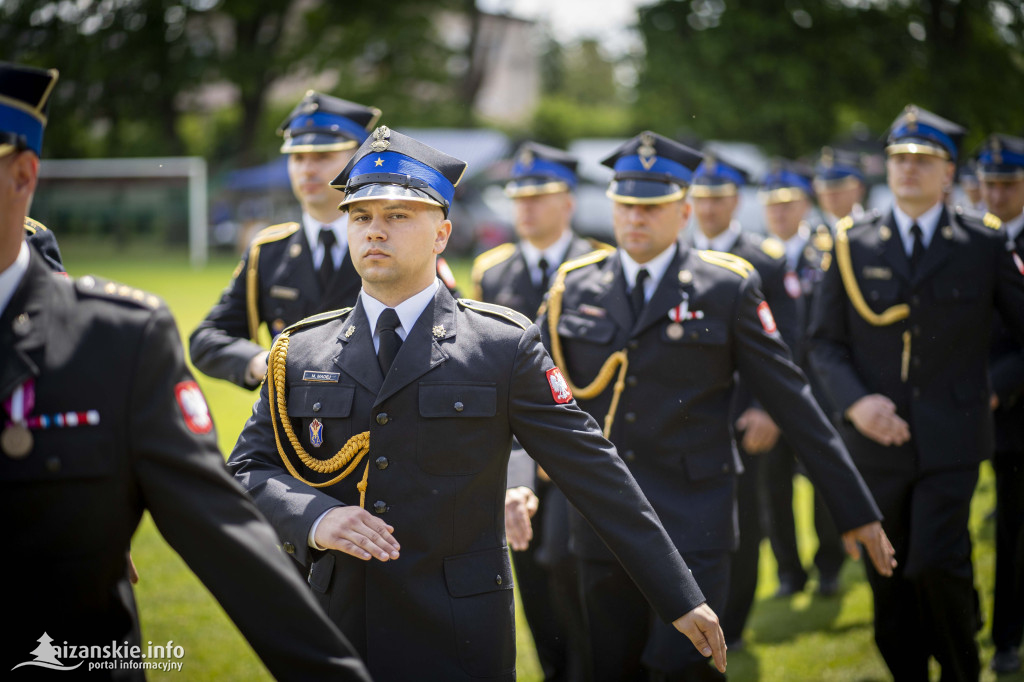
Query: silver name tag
{"type": "Point", "coordinates": [310, 375]}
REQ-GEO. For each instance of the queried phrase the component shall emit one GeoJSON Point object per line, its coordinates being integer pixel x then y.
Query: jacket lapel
{"type": "Point", "coordinates": [612, 292]}
{"type": "Point", "coordinates": [890, 247]}
{"type": "Point", "coordinates": [357, 357]}
{"type": "Point", "coordinates": [21, 330]}
{"type": "Point", "coordinates": [939, 249]}
{"type": "Point", "coordinates": [344, 286]}
{"type": "Point", "coordinates": [421, 351]}
{"type": "Point", "coordinates": [666, 296]}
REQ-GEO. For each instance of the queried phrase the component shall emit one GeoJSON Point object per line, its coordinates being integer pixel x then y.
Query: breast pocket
{"type": "Point", "coordinates": [579, 327]}
{"type": "Point", "coordinates": [330, 405]}
{"type": "Point", "coordinates": [453, 436]}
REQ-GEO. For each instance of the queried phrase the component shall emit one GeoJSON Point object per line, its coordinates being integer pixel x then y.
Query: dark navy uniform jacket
{"type": "Point", "coordinates": [73, 502]}
{"type": "Point", "coordinates": [502, 276]}
{"type": "Point", "coordinates": [276, 285]}
{"type": "Point", "coordinates": [40, 237]}
{"type": "Point", "coordinates": [672, 426]}
{"type": "Point", "coordinates": [933, 363]}
{"type": "Point", "coordinates": [1007, 372]}
{"type": "Point", "coordinates": [468, 378]}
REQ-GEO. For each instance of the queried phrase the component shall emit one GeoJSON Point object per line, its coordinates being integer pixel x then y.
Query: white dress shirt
{"type": "Point", "coordinates": [655, 267]}
{"type": "Point", "coordinates": [927, 221]}
{"type": "Point", "coordinates": [554, 255]}
{"type": "Point", "coordinates": [11, 277]}
{"type": "Point", "coordinates": [723, 242]}
{"type": "Point", "coordinates": [340, 229]}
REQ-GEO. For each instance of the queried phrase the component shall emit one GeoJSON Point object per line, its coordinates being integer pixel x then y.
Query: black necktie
{"type": "Point", "coordinates": [636, 298]}
{"type": "Point", "coordinates": [326, 272]}
{"type": "Point", "coordinates": [917, 250]}
{"type": "Point", "coordinates": [543, 266]}
{"type": "Point", "coordinates": [390, 341]}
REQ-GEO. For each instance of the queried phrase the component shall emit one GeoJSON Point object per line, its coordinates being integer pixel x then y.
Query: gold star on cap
{"type": "Point", "coordinates": [378, 162]}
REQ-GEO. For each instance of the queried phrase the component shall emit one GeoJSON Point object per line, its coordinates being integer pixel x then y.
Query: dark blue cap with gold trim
{"type": "Point", "coordinates": [837, 168]}
{"type": "Point", "coordinates": [321, 123]}
{"type": "Point", "coordinates": [540, 169]}
{"type": "Point", "coordinates": [717, 178]}
{"type": "Point", "coordinates": [786, 181]}
{"type": "Point", "coordinates": [24, 98]}
{"type": "Point", "coordinates": [918, 131]}
{"type": "Point", "coordinates": [651, 169]}
{"type": "Point", "coordinates": [1001, 159]}
{"type": "Point", "coordinates": [390, 165]}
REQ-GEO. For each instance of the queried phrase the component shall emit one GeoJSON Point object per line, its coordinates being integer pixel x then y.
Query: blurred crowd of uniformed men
{"type": "Point", "coordinates": [718, 363]}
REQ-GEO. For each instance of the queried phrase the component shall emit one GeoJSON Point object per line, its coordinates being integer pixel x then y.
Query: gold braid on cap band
{"type": "Point", "coordinates": [617, 360]}
{"type": "Point", "coordinates": [892, 315]}
{"type": "Point", "coordinates": [348, 456]}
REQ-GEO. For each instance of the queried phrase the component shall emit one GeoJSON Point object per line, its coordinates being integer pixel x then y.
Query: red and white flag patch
{"type": "Point", "coordinates": [1018, 262]}
{"type": "Point", "coordinates": [767, 319]}
{"type": "Point", "coordinates": [193, 407]}
{"type": "Point", "coordinates": [560, 390]}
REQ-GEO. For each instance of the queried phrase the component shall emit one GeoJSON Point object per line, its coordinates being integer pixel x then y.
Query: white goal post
{"type": "Point", "coordinates": [190, 168]}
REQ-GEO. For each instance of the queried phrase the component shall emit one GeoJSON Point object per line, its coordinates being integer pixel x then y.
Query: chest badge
{"type": "Point", "coordinates": [438, 331]}
{"type": "Point", "coordinates": [766, 317]}
{"type": "Point", "coordinates": [792, 282]}
{"type": "Point", "coordinates": [316, 433]}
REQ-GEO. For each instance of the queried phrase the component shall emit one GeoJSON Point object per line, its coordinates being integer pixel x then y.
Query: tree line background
{"type": "Point", "coordinates": [136, 75]}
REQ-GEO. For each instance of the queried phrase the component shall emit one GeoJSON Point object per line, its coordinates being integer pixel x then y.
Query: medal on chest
{"type": "Point", "coordinates": [680, 314]}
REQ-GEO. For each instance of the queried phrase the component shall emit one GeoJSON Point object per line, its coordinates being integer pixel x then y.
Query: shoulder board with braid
{"type": "Point", "coordinates": [275, 233]}
{"type": "Point", "coordinates": [773, 248]}
{"type": "Point", "coordinates": [729, 261]}
{"type": "Point", "coordinates": [488, 259]}
{"type": "Point", "coordinates": [496, 311]}
{"type": "Point", "coordinates": [588, 259]}
{"type": "Point", "coordinates": [96, 287]}
{"type": "Point", "coordinates": [977, 219]}
{"type": "Point", "coordinates": [32, 226]}
{"type": "Point", "coordinates": [319, 317]}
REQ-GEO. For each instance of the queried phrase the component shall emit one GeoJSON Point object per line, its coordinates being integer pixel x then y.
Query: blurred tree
{"type": "Point", "coordinates": [793, 75]}
{"type": "Point", "coordinates": [133, 71]}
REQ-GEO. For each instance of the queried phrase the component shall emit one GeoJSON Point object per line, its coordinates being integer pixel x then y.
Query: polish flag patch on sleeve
{"type": "Point", "coordinates": [560, 390]}
{"type": "Point", "coordinates": [193, 407]}
{"type": "Point", "coordinates": [767, 319]}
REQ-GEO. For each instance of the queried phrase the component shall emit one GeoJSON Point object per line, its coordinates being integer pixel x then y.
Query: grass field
{"type": "Point", "coordinates": [802, 638]}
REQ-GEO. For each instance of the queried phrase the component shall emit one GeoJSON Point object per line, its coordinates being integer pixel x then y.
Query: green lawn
{"type": "Point", "coordinates": [802, 638]}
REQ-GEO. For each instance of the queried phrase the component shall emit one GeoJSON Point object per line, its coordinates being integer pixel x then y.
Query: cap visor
{"type": "Point", "coordinates": [917, 148]}
{"type": "Point", "coordinates": [315, 142]}
{"type": "Point", "coordinates": [782, 195]}
{"type": "Point", "coordinates": [711, 191]}
{"type": "Point", "coordinates": [397, 192]}
{"type": "Point", "coordinates": [645, 191]}
{"type": "Point", "coordinates": [517, 189]}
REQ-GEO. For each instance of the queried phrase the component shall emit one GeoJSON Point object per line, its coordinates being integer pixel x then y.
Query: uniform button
{"type": "Point", "coordinates": [632, 381]}
{"type": "Point", "coordinates": [382, 462]}
{"type": "Point", "coordinates": [726, 468]}
{"type": "Point", "coordinates": [633, 344]}
{"type": "Point", "coordinates": [382, 418]}
{"type": "Point", "coordinates": [630, 417]}
{"type": "Point", "coordinates": [915, 300]}
{"type": "Point", "coordinates": [916, 392]}
{"type": "Point", "coordinates": [916, 329]}
{"type": "Point", "coordinates": [873, 296]}
{"type": "Point", "coordinates": [459, 407]}
{"type": "Point", "coordinates": [316, 407]}
{"type": "Point", "coordinates": [380, 506]}
{"type": "Point", "coordinates": [289, 548]}
{"type": "Point", "coordinates": [629, 456]}
{"type": "Point", "coordinates": [53, 465]}
{"type": "Point", "coordinates": [956, 293]}
{"type": "Point", "coordinates": [497, 580]}
{"type": "Point", "coordinates": [915, 361]}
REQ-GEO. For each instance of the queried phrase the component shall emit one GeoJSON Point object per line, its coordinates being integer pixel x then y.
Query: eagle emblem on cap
{"type": "Point", "coordinates": [997, 150]}
{"type": "Point", "coordinates": [710, 163]}
{"type": "Point", "coordinates": [911, 118]}
{"type": "Point", "coordinates": [646, 151]}
{"type": "Point", "coordinates": [381, 140]}
{"type": "Point", "coordinates": [526, 158]}
{"type": "Point", "coordinates": [828, 157]}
